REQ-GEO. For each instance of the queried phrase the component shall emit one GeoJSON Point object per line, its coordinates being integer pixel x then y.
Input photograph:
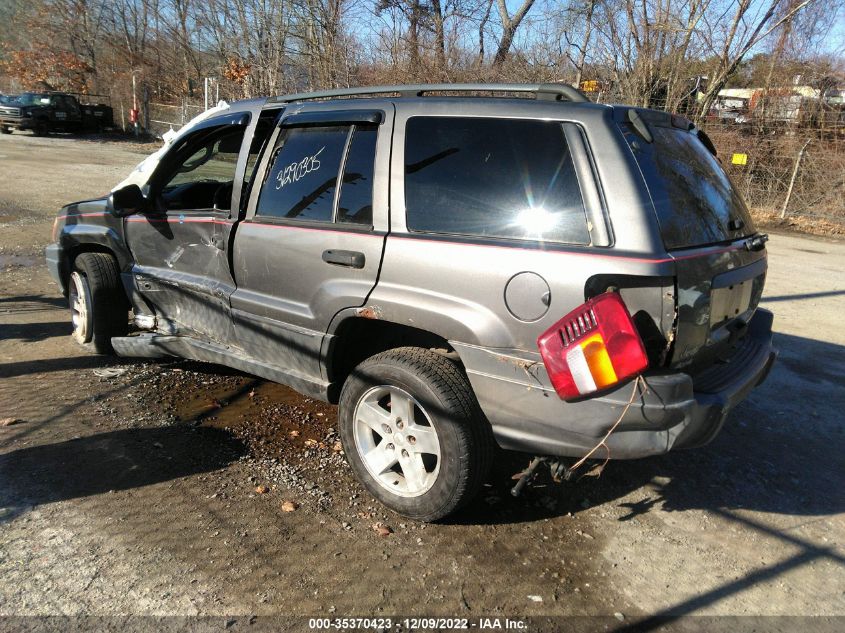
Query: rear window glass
{"type": "Point", "coordinates": [499, 178]}
{"type": "Point", "coordinates": [696, 202]}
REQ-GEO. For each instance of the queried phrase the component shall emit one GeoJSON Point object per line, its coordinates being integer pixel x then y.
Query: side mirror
{"type": "Point", "coordinates": [127, 201]}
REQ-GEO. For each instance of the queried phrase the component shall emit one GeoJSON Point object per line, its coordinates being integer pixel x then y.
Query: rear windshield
{"type": "Point", "coordinates": [495, 178]}
{"type": "Point", "coordinates": [696, 202]}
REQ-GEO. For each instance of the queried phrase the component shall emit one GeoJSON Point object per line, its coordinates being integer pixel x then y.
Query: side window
{"type": "Point", "coordinates": [355, 204]}
{"type": "Point", "coordinates": [301, 180]}
{"type": "Point", "coordinates": [263, 130]}
{"type": "Point", "coordinates": [205, 171]}
{"type": "Point", "coordinates": [506, 178]}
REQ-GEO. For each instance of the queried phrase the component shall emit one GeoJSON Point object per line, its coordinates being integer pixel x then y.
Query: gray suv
{"type": "Point", "coordinates": [457, 273]}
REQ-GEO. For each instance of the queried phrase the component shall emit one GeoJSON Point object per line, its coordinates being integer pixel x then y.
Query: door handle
{"type": "Point", "coordinates": [350, 259]}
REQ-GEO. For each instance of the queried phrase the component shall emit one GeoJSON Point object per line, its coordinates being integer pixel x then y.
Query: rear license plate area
{"type": "Point", "coordinates": [730, 302]}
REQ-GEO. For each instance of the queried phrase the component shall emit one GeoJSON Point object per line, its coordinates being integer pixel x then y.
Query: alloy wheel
{"type": "Point", "coordinates": [396, 441]}
{"type": "Point", "coordinates": [79, 298]}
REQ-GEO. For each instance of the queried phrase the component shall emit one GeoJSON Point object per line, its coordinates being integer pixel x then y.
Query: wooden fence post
{"type": "Point", "coordinates": [792, 180]}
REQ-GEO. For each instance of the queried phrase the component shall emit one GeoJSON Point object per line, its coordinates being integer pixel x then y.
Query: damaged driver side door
{"type": "Point", "coordinates": [180, 246]}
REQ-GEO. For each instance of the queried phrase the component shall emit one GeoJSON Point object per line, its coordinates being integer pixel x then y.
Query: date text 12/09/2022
{"type": "Point", "coordinates": [415, 624]}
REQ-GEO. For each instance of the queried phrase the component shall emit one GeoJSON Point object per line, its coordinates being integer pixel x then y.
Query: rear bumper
{"type": "Point", "coordinates": [677, 411]}
{"type": "Point", "coordinates": [722, 387]}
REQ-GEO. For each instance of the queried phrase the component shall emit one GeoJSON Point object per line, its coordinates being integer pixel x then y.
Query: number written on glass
{"type": "Point", "coordinates": [298, 169]}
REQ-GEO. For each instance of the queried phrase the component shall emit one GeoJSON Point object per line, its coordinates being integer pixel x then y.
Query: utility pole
{"type": "Point", "coordinates": [207, 90]}
{"type": "Point", "coordinates": [133, 115]}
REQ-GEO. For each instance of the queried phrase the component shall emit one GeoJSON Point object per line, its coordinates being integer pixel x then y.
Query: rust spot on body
{"type": "Point", "coordinates": [370, 312]}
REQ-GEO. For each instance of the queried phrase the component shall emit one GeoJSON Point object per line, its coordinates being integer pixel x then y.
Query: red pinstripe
{"type": "Point", "coordinates": [645, 260]}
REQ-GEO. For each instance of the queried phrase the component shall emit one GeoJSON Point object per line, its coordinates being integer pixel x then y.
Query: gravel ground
{"type": "Point", "coordinates": [188, 489]}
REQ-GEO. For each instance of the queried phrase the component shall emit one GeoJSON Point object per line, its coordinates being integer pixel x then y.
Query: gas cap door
{"type": "Point", "coordinates": [527, 296]}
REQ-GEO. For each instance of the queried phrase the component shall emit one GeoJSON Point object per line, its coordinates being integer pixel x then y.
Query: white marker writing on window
{"type": "Point", "coordinates": [298, 170]}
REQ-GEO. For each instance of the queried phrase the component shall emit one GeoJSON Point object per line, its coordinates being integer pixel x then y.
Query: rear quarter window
{"type": "Point", "coordinates": [500, 178]}
{"type": "Point", "coordinates": [696, 202]}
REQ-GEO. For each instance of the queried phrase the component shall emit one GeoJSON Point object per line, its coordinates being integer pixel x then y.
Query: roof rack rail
{"type": "Point", "coordinates": [553, 92]}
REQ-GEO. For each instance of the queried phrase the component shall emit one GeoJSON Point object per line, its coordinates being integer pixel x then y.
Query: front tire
{"type": "Point", "coordinates": [414, 434]}
{"type": "Point", "coordinates": [98, 305]}
{"type": "Point", "coordinates": [5, 130]}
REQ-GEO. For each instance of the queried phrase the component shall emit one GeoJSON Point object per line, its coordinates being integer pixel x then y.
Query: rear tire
{"type": "Point", "coordinates": [98, 305]}
{"type": "Point", "coordinates": [414, 434]}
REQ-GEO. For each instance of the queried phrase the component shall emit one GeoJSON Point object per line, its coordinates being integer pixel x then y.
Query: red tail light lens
{"type": "Point", "coordinates": [592, 348]}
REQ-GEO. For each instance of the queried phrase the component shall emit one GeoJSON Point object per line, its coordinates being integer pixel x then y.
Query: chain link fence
{"type": "Point", "coordinates": [795, 171]}
{"type": "Point", "coordinates": [164, 117]}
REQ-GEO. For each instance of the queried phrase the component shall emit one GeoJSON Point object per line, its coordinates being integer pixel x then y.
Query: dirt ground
{"type": "Point", "coordinates": [134, 491]}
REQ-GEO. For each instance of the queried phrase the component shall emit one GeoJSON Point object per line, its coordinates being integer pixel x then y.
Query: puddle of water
{"type": "Point", "coordinates": [271, 416]}
{"type": "Point", "coordinates": [17, 261]}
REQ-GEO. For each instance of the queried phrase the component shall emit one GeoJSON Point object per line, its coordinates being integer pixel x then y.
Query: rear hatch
{"type": "Point", "coordinates": [720, 259]}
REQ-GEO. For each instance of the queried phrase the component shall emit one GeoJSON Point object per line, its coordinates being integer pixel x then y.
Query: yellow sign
{"type": "Point", "coordinates": [739, 159]}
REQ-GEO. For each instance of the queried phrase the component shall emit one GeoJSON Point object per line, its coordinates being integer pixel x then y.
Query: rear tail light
{"type": "Point", "coordinates": [592, 348]}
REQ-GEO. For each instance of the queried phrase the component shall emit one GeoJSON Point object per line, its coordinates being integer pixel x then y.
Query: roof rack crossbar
{"type": "Point", "coordinates": [556, 92]}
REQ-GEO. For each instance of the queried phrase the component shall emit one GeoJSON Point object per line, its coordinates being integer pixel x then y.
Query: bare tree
{"type": "Point", "coordinates": [510, 24]}
{"type": "Point", "coordinates": [482, 25]}
{"type": "Point", "coordinates": [251, 41]}
{"type": "Point", "coordinates": [414, 12]}
{"type": "Point", "coordinates": [437, 19]}
{"type": "Point", "coordinates": [589, 8]}
{"type": "Point", "coordinates": [131, 22]}
{"type": "Point", "coordinates": [324, 43]}
{"type": "Point", "coordinates": [746, 30]}
{"type": "Point", "coordinates": [81, 23]}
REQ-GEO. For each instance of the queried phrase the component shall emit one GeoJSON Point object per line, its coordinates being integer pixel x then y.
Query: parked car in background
{"type": "Point", "coordinates": [456, 273]}
{"type": "Point", "coordinates": [45, 112]}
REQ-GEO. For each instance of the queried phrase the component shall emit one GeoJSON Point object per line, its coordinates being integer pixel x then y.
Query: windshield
{"type": "Point", "coordinates": [30, 99]}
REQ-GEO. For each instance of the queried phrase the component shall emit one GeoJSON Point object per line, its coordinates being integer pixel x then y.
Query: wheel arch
{"type": "Point", "coordinates": [86, 238]}
{"type": "Point", "coordinates": [356, 338]}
